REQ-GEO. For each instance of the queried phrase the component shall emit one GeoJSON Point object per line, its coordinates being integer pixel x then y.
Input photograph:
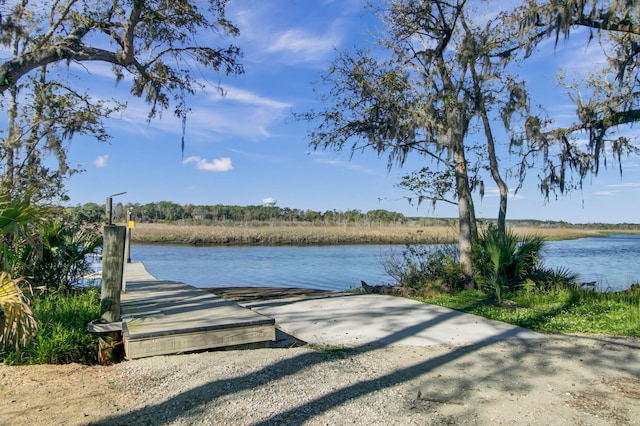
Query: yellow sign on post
{"type": "Point", "coordinates": [130, 224]}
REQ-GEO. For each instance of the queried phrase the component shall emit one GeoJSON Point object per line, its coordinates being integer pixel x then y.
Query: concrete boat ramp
{"type": "Point", "coordinates": [168, 317]}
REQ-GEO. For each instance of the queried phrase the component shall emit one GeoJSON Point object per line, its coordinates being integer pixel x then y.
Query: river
{"type": "Point", "coordinates": [613, 262]}
{"type": "Point", "coordinates": [610, 261]}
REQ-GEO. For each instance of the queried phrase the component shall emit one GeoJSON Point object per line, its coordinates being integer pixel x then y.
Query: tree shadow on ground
{"type": "Point", "coordinates": [197, 398]}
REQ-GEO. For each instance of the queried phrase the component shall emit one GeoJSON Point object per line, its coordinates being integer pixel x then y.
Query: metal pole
{"type": "Point", "coordinates": [109, 207]}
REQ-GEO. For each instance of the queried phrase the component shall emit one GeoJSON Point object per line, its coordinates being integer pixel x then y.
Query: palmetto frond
{"type": "Point", "coordinates": [16, 319]}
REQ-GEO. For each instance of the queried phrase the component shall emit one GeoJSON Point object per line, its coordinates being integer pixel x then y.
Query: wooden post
{"type": "Point", "coordinates": [112, 279]}
{"type": "Point", "coordinates": [112, 272]}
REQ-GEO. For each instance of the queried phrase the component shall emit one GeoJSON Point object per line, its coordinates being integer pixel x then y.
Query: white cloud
{"type": "Point", "coordinates": [247, 97]}
{"type": "Point", "coordinates": [606, 193]}
{"type": "Point", "coordinates": [321, 159]}
{"type": "Point", "coordinates": [239, 113]}
{"type": "Point", "coordinates": [582, 57]}
{"type": "Point", "coordinates": [631, 165]}
{"type": "Point", "coordinates": [495, 192]}
{"type": "Point", "coordinates": [101, 161]}
{"type": "Point", "coordinates": [268, 36]}
{"type": "Point", "coordinates": [304, 46]}
{"type": "Point", "coordinates": [216, 165]}
{"type": "Point", "coordinates": [98, 69]}
{"type": "Point", "coordinates": [625, 185]}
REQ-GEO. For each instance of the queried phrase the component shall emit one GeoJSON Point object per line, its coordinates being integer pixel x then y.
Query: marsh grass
{"type": "Point", "coordinates": [287, 235]}
{"type": "Point", "coordinates": [559, 310]}
{"type": "Point", "coordinates": [304, 234]}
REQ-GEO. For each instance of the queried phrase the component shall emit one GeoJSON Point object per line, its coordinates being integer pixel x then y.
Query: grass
{"type": "Point", "coordinates": [563, 310]}
{"type": "Point", "coordinates": [307, 234]}
{"type": "Point", "coordinates": [62, 335]}
{"type": "Point", "coordinates": [62, 317]}
{"type": "Point", "coordinates": [287, 234]}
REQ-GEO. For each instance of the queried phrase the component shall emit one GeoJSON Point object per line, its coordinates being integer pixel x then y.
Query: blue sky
{"type": "Point", "coordinates": [247, 146]}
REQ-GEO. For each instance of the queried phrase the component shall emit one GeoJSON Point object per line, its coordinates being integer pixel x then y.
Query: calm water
{"type": "Point", "coordinates": [611, 261]}
{"type": "Point", "coordinates": [326, 267]}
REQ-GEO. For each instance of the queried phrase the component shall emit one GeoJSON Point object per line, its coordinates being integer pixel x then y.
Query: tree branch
{"type": "Point", "coordinates": [128, 51]}
{"type": "Point", "coordinates": [55, 25]}
{"type": "Point", "coordinates": [623, 26]}
{"type": "Point", "coordinates": [612, 120]}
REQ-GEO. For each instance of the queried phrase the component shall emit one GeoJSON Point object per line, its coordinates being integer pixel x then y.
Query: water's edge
{"type": "Point", "coordinates": [610, 261]}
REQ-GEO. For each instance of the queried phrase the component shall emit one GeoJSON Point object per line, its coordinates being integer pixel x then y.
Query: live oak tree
{"type": "Point", "coordinates": [498, 99]}
{"type": "Point", "coordinates": [439, 74]}
{"type": "Point", "coordinates": [607, 102]}
{"type": "Point", "coordinates": [160, 47]}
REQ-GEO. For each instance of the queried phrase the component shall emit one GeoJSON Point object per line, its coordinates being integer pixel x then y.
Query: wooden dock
{"type": "Point", "coordinates": [169, 317]}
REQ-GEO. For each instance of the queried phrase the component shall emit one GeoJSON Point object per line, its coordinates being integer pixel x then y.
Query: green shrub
{"type": "Point", "coordinates": [543, 278]}
{"type": "Point", "coordinates": [426, 268]}
{"type": "Point", "coordinates": [503, 261]}
{"type": "Point", "coordinates": [60, 260]}
{"type": "Point", "coordinates": [62, 336]}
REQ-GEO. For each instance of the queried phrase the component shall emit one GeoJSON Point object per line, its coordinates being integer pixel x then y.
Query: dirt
{"type": "Point", "coordinates": [577, 380]}
{"type": "Point", "coordinates": [560, 380]}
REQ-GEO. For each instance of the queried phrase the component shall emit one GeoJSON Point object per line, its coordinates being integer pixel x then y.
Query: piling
{"type": "Point", "coordinates": [112, 279]}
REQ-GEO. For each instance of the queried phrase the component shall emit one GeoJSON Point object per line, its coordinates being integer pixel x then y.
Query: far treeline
{"type": "Point", "coordinates": [219, 214]}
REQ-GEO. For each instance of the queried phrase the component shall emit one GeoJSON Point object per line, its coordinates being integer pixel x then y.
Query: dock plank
{"type": "Point", "coordinates": [163, 317]}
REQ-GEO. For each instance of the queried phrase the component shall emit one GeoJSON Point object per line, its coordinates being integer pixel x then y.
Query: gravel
{"type": "Point", "coordinates": [585, 380]}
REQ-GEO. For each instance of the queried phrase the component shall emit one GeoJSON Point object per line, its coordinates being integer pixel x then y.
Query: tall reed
{"type": "Point", "coordinates": [306, 234]}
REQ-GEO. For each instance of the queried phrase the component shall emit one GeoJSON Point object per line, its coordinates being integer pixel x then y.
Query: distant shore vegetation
{"type": "Point", "coordinates": [166, 222]}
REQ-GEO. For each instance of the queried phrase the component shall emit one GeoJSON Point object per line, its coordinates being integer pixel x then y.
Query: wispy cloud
{"type": "Point", "coordinates": [249, 98]}
{"type": "Point", "coordinates": [222, 164]}
{"type": "Point", "coordinates": [618, 188]}
{"type": "Point", "coordinates": [98, 69]}
{"type": "Point", "coordinates": [625, 185]}
{"type": "Point", "coordinates": [239, 113]}
{"type": "Point", "coordinates": [101, 161]}
{"type": "Point", "coordinates": [495, 192]}
{"type": "Point", "coordinates": [267, 36]}
{"type": "Point", "coordinates": [303, 46]}
{"type": "Point", "coordinates": [264, 158]}
{"type": "Point", "coordinates": [321, 159]}
{"type": "Point", "coordinates": [631, 165]}
{"type": "Point", "coordinates": [606, 193]}
{"type": "Point", "coordinates": [581, 57]}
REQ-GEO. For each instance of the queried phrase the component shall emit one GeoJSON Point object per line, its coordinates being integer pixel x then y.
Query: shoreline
{"type": "Point", "coordinates": [314, 235]}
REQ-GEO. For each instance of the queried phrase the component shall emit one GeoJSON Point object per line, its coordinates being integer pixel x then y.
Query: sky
{"type": "Point", "coordinates": [247, 146]}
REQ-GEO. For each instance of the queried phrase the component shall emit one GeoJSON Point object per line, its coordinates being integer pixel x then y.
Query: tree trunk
{"type": "Point", "coordinates": [8, 179]}
{"type": "Point", "coordinates": [466, 222]}
{"type": "Point", "coordinates": [495, 173]}
{"type": "Point", "coordinates": [491, 148]}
